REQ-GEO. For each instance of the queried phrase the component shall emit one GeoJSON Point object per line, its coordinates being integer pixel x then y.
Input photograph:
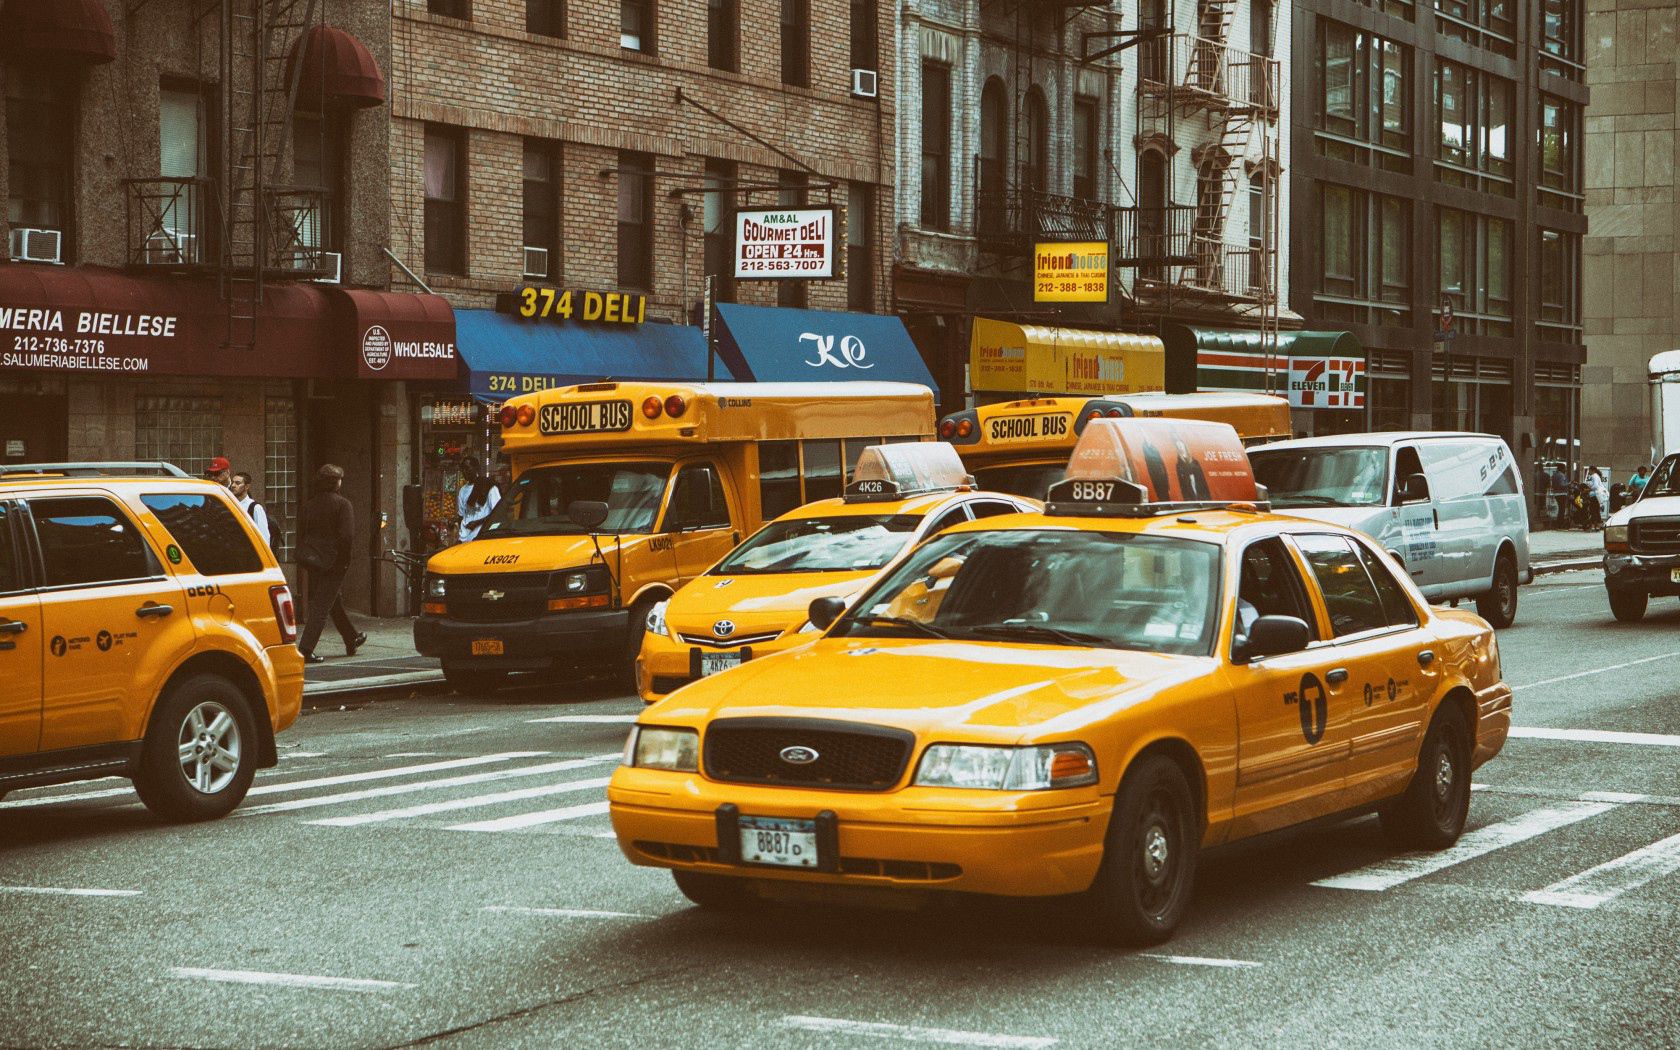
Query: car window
{"type": "Point", "coordinates": [847, 543]}
{"type": "Point", "coordinates": [991, 508]}
{"type": "Point", "coordinates": [1396, 609]}
{"type": "Point", "coordinates": [89, 540]}
{"type": "Point", "coordinates": [207, 531]}
{"type": "Point", "coordinates": [1270, 585]}
{"type": "Point", "coordinates": [953, 516]}
{"type": "Point", "coordinates": [11, 572]}
{"type": "Point", "coordinates": [1349, 595]}
{"type": "Point", "coordinates": [1406, 463]}
{"type": "Point", "coordinates": [697, 501]}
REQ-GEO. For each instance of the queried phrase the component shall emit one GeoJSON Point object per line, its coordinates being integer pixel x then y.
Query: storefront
{"type": "Point", "coordinates": [1323, 374]}
{"type": "Point", "coordinates": [1009, 361]}
{"type": "Point", "coordinates": [771, 345]}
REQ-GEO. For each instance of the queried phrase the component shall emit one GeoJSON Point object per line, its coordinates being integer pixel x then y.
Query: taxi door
{"type": "Point", "coordinates": [113, 618]}
{"type": "Point", "coordinates": [20, 646]}
{"type": "Point", "coordinates": [1292, 725]}
{"type": "Point", "coordinates": [698, 521]}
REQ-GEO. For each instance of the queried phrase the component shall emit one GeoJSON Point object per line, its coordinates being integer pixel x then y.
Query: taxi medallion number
{"type": "Point", "coordinates": [712, 663]}
{"type": "Point", "coordinates": [773, 840]}
{"type": "Point", "coordinates": [487, 647]}
{"type": "Point", "coordinates": [587, 417]}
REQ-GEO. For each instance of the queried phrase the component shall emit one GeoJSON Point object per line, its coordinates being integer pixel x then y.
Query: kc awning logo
{"type": "Point", "coordinates": [850, 353]}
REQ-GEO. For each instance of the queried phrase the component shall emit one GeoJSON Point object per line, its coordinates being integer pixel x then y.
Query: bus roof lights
{"type": "Point", "coordinates": [890, 472]}
{"type": "Point", "coordinates": [1132, 465]}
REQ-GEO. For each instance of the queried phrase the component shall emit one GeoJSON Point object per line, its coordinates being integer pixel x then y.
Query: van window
{"type": "Point", "coordinates": [1506, 483]}
{"type": "Point", "coordinates": [697, 501]}
{"type": "Point", "coordinates": [206, 529]}
{"type": "Point", "coordinates": [1461, 469]}
{"type": "Point", "coordinates": [1349, 595]}
{"type": "Point", "coordinates": [778, 477]}
{"type": "Point", "coordinates": [1406, 463]}
{"type": "Point", "coordinates": [88, 540]}
{"type": "Point", "coordinates": [1326, 476]}
{"type": "Point", "coordinates": [822, 470]}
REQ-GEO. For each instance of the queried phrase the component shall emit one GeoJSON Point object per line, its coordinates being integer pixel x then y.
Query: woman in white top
{"type": "Point", "coordinates": [1598, 492]}
{"type": "Point", "coordinates": [475, 501]}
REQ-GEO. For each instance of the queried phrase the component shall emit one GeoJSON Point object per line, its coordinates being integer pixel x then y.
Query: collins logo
{"type": "Point", "coordinates": [851, 352]}
{"type": "Point", "coordinates": [723, 628]}
{"type": "Point", "coordinates": [376, 347]}
{"type": "Point", "coordinates": [799, 755]}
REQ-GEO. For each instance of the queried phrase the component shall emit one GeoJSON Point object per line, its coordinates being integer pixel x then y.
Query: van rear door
{"type": "Point", "coordinates": [1467, 539]}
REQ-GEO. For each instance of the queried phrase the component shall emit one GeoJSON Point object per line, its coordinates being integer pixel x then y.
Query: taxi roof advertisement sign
{"type": "Point", "coordinates": [1176, 460]}
{"type": "Point", "coordinates": [778, 244]}
{"type": "Point", "coordinates": [1070, 272]}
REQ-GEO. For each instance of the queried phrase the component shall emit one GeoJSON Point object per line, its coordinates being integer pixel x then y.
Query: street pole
{"type": "Point", "coordinates": [706, 326]}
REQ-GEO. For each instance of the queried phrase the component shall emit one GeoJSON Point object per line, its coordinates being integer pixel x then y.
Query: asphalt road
{"type": "Point", "coordinates": [440, 869]}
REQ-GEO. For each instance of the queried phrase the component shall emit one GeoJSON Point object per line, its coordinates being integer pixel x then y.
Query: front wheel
{"type": "Point", "coordinates": [473, 680]}
{"type": "Point", "coordinates": [199, 755]}
{"type": "Point", "coordinates": [1499, 606]}
{"type": "Point", "coordinates": [1629, 606]}
{"type": "Point", "coordinates": [1143, 887]}
{"type": "Point", "coordinates": [1432, 812]}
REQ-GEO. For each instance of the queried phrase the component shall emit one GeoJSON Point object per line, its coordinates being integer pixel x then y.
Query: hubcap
{"type": "Point", "coordinates": [209, 747]}
{"type": "Point", "coordinates": [1443, 776]}
{"type": "Point", "coordinates": [1154, 851]}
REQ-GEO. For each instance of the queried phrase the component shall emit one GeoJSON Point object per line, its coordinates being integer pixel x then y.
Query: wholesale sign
{"type": "Point", "coordinates": [783, 243]}
{"type": "Point", "coordinates": [1070, 272]}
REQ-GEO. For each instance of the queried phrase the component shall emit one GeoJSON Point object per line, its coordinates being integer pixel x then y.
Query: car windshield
{"type": "Point", "coordinates": [1323, 477]}
{"type": "Point", "coordinates": [1032, 480]}
{"type": "Point", "coordinates": [1049, 586]}
{"type": "Point", "coordinates": [842, 544]}
{"type": "Point", "coordinates": [1666, 480]}
{"type": "Point", "coordinates": [538, 503]}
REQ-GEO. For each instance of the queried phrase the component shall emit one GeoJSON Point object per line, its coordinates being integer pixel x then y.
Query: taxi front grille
{"type": "Point", "coordinates": [734, 642]}
{"type": "Point", "coordinates": [848, 756]}
{"type": "Point", "coordinates": [497, 597]}
{"type": "Point", "coordinates": [1655, 535]}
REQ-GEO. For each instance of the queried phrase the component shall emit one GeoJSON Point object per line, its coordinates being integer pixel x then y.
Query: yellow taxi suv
{"type": "Point", "coordinates": [146, 631]}
{"type": "Point", "coordinates": [622, 493]}
{"type": "Point", "coordinates": [1074, 703]}
{"type": "Point", "coordinates": [1022, 447]}
{"type": "Point", "coordinates": [753, 602]}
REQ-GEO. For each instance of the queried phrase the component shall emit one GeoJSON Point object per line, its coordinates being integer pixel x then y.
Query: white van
{"type": "Point", "coordinates": [1448, 506]}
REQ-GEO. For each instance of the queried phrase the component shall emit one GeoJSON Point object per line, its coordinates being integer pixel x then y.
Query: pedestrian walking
{"type": "Point", "coordinates": [218, 469]}
{"type": "Point", "coordinates": [1599, 495]}
{"type": "Point", "coordinates": [240, 487]}
{"type": "Point", "coordinates": [326, 529]}
{"type": "Point", "coordinates": [1560, 495]}
{"type": "Point", "coordinates": [476, 499]}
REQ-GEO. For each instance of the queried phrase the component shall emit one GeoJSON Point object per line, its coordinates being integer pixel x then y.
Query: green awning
{"type": "Point", "coordinates": [1236, 359]}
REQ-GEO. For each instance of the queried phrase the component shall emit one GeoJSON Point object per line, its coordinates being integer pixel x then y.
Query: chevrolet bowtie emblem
{"type": "Point", "coordinates": [493, 595]}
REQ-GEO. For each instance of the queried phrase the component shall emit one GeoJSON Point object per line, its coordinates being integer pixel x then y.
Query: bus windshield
{"type": "Point", "coordinates": [1323, 477]}
{"type": "Point", "coordinates": [1032, 480]}
{"type": "Point", "coordinates": [538, 503]}
{"type": "Point", "coordinates": [843, 544]}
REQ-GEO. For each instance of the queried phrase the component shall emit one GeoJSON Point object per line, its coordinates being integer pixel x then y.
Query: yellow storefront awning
{"type": "Point", "coordinates": [1021, 358]}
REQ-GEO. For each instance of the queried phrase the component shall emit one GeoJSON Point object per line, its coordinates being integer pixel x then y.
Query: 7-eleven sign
{"type": "Point", "coordinates": [1326, 382]}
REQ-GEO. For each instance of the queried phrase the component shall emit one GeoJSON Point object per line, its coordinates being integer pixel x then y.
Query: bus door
{"type": "Point", "coordinates": [698, 520]}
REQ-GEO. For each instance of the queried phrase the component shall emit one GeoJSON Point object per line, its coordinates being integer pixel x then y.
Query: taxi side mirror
{"type": "Point", "coordinates": [824, 611]}
{"type": "Point", "coordinates": [1274, 636]}
{"type": "Point", "coordinates": [589, 513]}
{"type": "Point", "coordinates": [1414, 488]}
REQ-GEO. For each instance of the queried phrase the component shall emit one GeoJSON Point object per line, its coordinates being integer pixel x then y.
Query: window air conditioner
{"type": "Point", "coordinates": [170, 248]}
{"type": "Point", "coordinates": [332, 265]}
{"type": "Point", "coordinates": [536, 262]}
{"type": "Point", "coordinates": [33, 245]}
{"type": "Point", "coordinates": [864, 83]}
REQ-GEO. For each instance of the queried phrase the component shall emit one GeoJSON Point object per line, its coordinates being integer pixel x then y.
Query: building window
{"type": "Point", "coordinates": [1470, 393]}
{"type": "Point", "coordinates": [723, 31]}
{"type": "Point", "coordinates": [1364, 250]}
{"type": "Point", "coordinates": [545, 17]}
{"type": "Point", "coordinates": [791, 195]}
{"type": "Point", "coordinates": [1474, 110]}
{"type": "Point", "coordinates": [446, 199]}
{"type": "Point", "coordinates": [1474, 267]}
{"type": "Point", "coordinates": [1363, 114]}
{"type": "Point", "coordinates": [936, 146]}
{"type": "Point", "coordinates": [41, 145]}
{"type": "Point", "coordinates": [278, 486]}
{"type": "Point", "coordinates": [860, 261]}
{"type": "Point", "coordinates": [865, 35]}
{"type": "Point", "coordinates": [1560, 287]}
{"type": "Point", "coordinates": [542, 209]}
{"type": "Point", "coordinates": [185, 431]}
{"type": "Point", "coordinates": [1486, 23]}
{"type": "Point", "coordinates": [1035, 174]}
{"type": "Point", "coordinates": [1560, 34]}
{"type": "Point", "coordinates": [1257, 239]}
{"type": "Point", "coordinates": [461, 9]}
{"type": "Point", "coordinates": [717, 215]}
{"type": "Point", "coordinates": [635, 220]}
{"type": "Point", "coordinates": [993, 166]}
{"type": "Point", "coordinates": [1560, 185]}
{"type": "Point", "coordinates": [184, 160]}
{"type": "Point", "coordinates": [636, 25]}
{"type": "Point", "coordinates": [1260, 28]}
{"type": "Point", "coordinates": [796, 42]}
{"type": "Point", "coordinates": [318, 165]}
{"type": "Point", "coordinates": [1085, 148]}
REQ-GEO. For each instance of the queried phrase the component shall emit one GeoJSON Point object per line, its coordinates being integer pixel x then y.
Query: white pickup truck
{"type": "Point", "coordinates": [1642, 540]}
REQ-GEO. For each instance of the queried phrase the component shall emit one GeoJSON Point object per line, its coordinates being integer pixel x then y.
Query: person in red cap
{"type": "Point", "coordinates": [218, 470]}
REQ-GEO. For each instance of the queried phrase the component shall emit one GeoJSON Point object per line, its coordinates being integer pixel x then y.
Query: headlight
{"type": "Point", "coordinates": [1615, 536]}
{"type": "Point", "coordinates": [656, 747]}
{"type": "Point", "coordinates": [435, 587]}
{"type": "Point", "coordinates": [571, 583]}
{"type": "Point", "coordinates": [656, 618]}
{"type": "Point", "coordinates": [1034, 768]}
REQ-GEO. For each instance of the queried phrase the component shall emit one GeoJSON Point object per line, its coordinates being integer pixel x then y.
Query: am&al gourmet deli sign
{"type": "Point", "coordinates": [785, 243]}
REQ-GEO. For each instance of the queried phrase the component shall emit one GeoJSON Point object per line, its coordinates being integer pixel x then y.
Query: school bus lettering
{"type": "Point", "coordinates": [1029, 428]}
{"type": "Point", "coordinates": [585, 417]}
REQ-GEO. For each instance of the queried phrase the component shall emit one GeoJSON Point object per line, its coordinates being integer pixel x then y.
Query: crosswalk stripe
{"type": "Point", "coordinates": [531, 820]}
{"type": "Point", "coordinates": [588, 719]}
{"type": "Point", "coordinates": [516, 795]}
{"type": "Point", "coordinates": [1596, 736]}
{"type": "Point", "coordinates": [423, 785]}
{"type": "Point", "coordinates": [1613, 878]}
{"type": "Point", "coordinates": [1387, 874]}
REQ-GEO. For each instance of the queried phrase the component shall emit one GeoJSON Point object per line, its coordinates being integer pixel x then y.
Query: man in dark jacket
{"type": "Point", "coordinates": [326, 527]}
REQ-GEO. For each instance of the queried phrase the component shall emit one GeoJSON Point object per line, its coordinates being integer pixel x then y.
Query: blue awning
{"type": "Point", "coordinates": [509, 356]}
{"type": "Point", "coordinates": [778, 345]}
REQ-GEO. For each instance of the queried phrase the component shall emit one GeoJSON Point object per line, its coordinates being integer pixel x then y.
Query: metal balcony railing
{"type": "Point", "coordinates": [1231, 271]}
{"type": "Point", "coordinates": [1209, 73]}
{"type": "Point", "coordinates": [298, 234]}
{"type": "Point", "coordinates": [1153, 237]}
{"type": "Point", "coordinates": [1008, 217]}
{"type": "Point", "coordinates": [168, 221]}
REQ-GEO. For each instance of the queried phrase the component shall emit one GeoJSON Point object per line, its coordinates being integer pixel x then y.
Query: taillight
{"type": "Point", "coordinates": [652, 406]}
{"type": "Point", "coordinates": [285, 613]}
{"type": "Point", "coordinates": [946, 429]}
{"type": "Point", "coordinates": [1095, 413]}
{"type": "Point", "coordinates": [526, 415]}
{"type": "Point", "coordinates": [965, 428]}
{"type": "Point", "coordinates": [675, 406]}
{"type": "Point", "coordinates": [1115, 413]}
{"type": "Point", "coordinates": [508, 416]}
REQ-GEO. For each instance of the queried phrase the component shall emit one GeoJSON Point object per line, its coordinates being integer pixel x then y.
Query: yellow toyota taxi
{"type": "Point", "coordinates": [1075, 702]}
{"type": "Point", "coordinates": [146, 631]}
{"type": "Point", "coordinates": [753, 602]}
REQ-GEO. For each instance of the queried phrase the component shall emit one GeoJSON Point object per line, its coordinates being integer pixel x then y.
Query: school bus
{"type": "Point", "coordinates": [622, 492]}
{"type": "Point", "coordinates": [1022, 447]}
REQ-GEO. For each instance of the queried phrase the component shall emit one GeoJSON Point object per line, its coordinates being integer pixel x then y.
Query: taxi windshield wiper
{"type": "Point", "coordinates": [1042, 632]}
{"type": "Point", "coordinates": [1305, 499]}
{"type": "Point", "coordinates": [900, 621]}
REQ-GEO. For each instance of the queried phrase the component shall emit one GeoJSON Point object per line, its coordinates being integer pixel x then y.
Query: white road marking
{"type": "Point", "coordinates": [1596, 736]}
{"type": "Point", "coordinates": [1197, 960]}
{"type": "Point", "coordinates": [1387, 874]}
{"type": "Point", "coordinates": [567, 913]}
{"type": "Point", "coordinates": [531, 820]}
{"type": "Point", "coordinates": [309, 754]}
{"type": "Point", "coordinates": [425, 785]}
{"type": "Point", "coordinates": [1596, 670]}
{"type": "Point", "coordinates": [1622, 797]}
{"type": "Point", "coordinates": [415, 754]}
{"type": "Point", "coordinates": [1613, 878]}
{"type": "Point", "coordinates": [516, 795]}
{"type": "Point", "coordinates": [913, 1033]}
{"type": "Point", "coordinates": [288, 980]}
{"type": "Point", "coordinates": [588, 719]}
{"type": "Point", "coordinates": [69, 891]}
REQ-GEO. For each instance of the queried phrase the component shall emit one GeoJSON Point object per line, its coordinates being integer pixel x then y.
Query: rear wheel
{"type": "Point", "coordinates": [1499, 606]}
{"type": "Point", "coordinates": [199, 755]}
{"type": "Point", "coordinates": [1143, 887]}
{"type": "Point", "coordinates": [473, 680]}
{"type": "Point", "coordinates": [1432, 812]}
{"type": "Point", "coordinates": [713, 892]}
{"type": "Point", "coordinates": [1629, 606]}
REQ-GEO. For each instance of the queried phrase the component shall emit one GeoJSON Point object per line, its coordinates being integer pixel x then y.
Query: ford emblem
{"type": "Point", "coordinates": [799, 755]}
{"type": "Point", "coordinates": [723, 628]}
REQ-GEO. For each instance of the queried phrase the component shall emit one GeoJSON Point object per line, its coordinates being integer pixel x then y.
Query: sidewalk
{"type": "Point", "coordinates": [387, 661]}
{"type": "Point", "coordinates": [1561, 550]}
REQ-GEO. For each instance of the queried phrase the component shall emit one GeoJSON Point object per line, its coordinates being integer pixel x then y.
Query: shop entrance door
{"type": "Point", "coordinates": [34, 428]}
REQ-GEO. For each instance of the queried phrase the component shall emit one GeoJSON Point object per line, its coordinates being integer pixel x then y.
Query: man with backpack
{"type": "Point", "coordinates": [240, 488]}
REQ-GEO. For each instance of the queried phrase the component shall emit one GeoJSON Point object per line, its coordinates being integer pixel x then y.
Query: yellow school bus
{"type": "Point", "coordinates": [1022, 447]}
{"type": "Point", "coordinates": [676, 473]}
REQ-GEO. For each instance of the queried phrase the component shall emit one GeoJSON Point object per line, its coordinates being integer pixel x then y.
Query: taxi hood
{"type": "Point", "coordinates": [981, 691]}
{"type": "Point", "coordinates": [525, 553]}
{"type": "Point", "coordinates": [757, 602]}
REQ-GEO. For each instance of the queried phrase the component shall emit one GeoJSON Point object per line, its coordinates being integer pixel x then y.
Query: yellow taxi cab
{"type": "Point", "coordinates": [146, 631]}
{"type": "Point", "coordinates": [753, 602]}
{"type": "Point", "coordinates": [1075, 702]}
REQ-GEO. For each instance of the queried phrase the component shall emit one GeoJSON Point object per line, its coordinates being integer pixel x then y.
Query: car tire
{"type": "Point", "coordinates": [625, 673]}
{"type": "Point", "coordinates": [1499, 605]}
{"type": "Point", "coordinates": [1628, 606]}
{"type": "Point", "coordinates": [473, 680]}
{"type": "Point", "coordinates": [1432, 812]}
{"type": "Point", "coordinates": [713, 892]}
{"type": "Point", "coordinates": [1148, 872]}
{"type": "Point", "coordinates": [200, 752]}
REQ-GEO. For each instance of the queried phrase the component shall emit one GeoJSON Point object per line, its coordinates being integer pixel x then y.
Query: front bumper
{"type": "Point", "coordinates": [1027, 844]}
{"type": "Point", "coordinates": [527, 645]}
{"type": "Point", "coordinates": [1493, 721]}
{"type": "Point", "coordinates": [666, 665]}
{"type": "Point", "coordinates": [1646, 573]}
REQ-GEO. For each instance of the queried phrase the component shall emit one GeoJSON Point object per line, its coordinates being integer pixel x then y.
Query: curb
{"type": "Point", "coordinates": [1569, 565]}
{"type": "Point", "coordinates": [326, 691]}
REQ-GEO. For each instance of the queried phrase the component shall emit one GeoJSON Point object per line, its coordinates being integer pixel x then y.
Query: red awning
{"type": "Point", "coordinates": [337, 70]}
{"type": "Point", "coordinates": [50, 31]}
{"type": "Point", "coordinates": [398, 335]}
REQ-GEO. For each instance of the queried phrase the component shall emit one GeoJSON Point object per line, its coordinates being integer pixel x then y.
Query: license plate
{"type": "Point", "coordinates": [1674, 574]}
{"type": "Point", "coordinates": [487, 647]}
{"type": "Point", "coordinates": [712, 663]}
{"type": "Point", "coordinates": [773, 840]}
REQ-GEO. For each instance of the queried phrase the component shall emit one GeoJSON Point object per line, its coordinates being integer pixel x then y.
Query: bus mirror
{"type": "Point", "coordinates": [588, 513]}
{"type": "Point", "coordinates": [824, 611]}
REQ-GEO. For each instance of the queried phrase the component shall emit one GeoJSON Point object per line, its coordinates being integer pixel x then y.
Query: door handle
{"type": "Point", "coordinates": [154, 609]}
{"type": "Point", "coordinates": [13, 627]}
{"type": "Point", "coordinates": [1437, 514]}
{"type": "Point", "coordinates": [1426, 657]}
{"type": "Point", "coordinates": [1337, 677]}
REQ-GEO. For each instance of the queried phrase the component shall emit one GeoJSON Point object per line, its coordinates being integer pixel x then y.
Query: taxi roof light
{"type": "Point", "coordinates": [1144, 467]}
{"type": "Point", "coordinates": [888, 472]}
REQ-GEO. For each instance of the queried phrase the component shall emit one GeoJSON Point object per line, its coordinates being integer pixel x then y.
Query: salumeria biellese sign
{"type": "Point", "coordinates": [79, 340]}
